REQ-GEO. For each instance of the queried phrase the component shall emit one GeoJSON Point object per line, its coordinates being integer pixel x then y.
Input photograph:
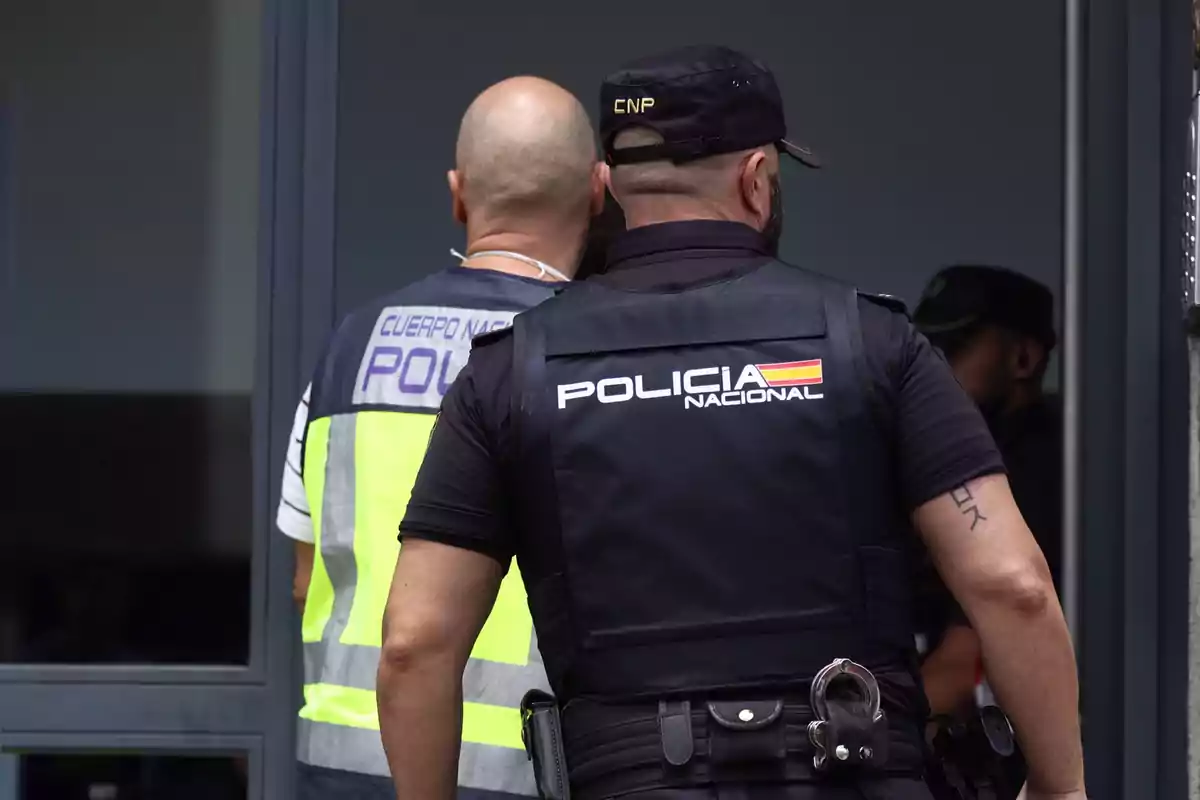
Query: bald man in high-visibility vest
{"type": "Point", "coordinates": [525, 186]}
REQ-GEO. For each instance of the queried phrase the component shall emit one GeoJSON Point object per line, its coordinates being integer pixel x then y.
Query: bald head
{"type": "Point", "coordinates": [525, 147]}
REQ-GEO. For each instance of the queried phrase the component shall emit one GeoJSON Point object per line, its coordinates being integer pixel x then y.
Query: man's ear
{"type": "Point", "coordinates": [755, 185]}
{"type": "Point", "coordinates": [1027, 359]}
{"type": "Point", "coordinates": [600, 186]}
{"type": "Point", "coordinates": [457, 207]}
{"type": "Point", "coordinates": [605, 174]}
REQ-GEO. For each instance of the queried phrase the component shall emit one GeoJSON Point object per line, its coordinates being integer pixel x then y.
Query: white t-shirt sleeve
{"type": "Point", "coordinates": [293, 516]}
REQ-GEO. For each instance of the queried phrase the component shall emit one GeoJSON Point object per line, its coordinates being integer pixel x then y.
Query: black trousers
{"type": "Point", "coordinates": [320, 783]}
{"type": "Point", "coordinates": [895, 789]}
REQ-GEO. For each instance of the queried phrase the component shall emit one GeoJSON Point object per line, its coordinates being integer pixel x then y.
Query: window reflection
{"type": "Point", "coordinates": [127, 329]}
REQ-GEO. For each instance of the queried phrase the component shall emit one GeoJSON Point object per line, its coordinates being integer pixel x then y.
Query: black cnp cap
{"type": "Point", "coordinates": [703, 100]}
{"type": "Point", "coordinates": [962, 297]}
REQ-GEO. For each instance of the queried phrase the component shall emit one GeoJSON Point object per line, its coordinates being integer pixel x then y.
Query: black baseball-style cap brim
{"type": "Point", "coordinates": [802, 154]}
{"type": "Point", "coordinates": [702, 100]}
{"type": "Point", "coordinates": [961, 298]}
{"type": "Point", "coordinates": [685, 151]}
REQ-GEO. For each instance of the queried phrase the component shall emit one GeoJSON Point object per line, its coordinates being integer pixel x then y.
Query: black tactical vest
{"type": "Point", "coordinates": [707, 497]}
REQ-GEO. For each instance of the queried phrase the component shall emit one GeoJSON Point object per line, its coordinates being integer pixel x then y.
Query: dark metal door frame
{"type": "Point", "coordinates": [1127, 103]}
{"type": "Point", "coordinates": [251, 709]}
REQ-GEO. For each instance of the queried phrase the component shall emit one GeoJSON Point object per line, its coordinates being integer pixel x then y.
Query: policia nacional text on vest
{"type": "Point", "coordinates": [733, 459]}
{"type": "Point", "coordinates": [373, 404]}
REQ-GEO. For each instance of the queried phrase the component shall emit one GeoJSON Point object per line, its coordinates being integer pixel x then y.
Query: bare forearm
{"type": "Point", "coordinates": [986, 555]}
{"type": "Point", "coordinates": [420, 719]}
{"type": "Point", "coordinates": [440, 598]}
{"type": "Point", "coordinates": [1030, 664]}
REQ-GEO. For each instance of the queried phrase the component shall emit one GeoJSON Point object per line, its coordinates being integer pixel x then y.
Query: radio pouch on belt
{"type": "Point", "coordinates": [746, 732]}
{"type": "Point", "coordinates": [541, 731]}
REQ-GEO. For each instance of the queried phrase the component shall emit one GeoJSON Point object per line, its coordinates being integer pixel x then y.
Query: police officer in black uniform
{"type": "Point", "coordinates": [708, 464]}
{"type": "Point", "coordinates": [996, 328]}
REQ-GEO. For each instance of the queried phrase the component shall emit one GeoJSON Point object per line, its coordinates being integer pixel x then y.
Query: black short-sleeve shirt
{"type": "Point", "coordinates": [1030, 442]}
{"type": "Point", "coordinates": [939, 438]}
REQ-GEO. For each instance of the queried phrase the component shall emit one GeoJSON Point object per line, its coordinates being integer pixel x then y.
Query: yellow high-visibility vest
{"type": "Point", "coordinates": [358, 470]}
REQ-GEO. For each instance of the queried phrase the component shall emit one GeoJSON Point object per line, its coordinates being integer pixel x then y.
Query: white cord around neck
{"type": "Point", "coordinates": [542, 267]}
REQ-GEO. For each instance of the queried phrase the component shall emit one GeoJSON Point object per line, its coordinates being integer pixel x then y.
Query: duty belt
{"type": "Point", "coordinates": [609, 750]}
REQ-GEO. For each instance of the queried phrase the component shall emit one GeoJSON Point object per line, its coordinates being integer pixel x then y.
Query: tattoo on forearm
{"type": "Point", "coordinates": [967, 504]}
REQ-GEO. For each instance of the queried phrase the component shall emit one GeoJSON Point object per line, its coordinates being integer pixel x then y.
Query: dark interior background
{"type": "Point", "coordinates": [940, 123]}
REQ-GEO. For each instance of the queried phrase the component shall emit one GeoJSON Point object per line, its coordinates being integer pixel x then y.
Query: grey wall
{"type": "Point", "coordinates": [133, 152]}
{"type": "Point", "coordinates": [940, 122]}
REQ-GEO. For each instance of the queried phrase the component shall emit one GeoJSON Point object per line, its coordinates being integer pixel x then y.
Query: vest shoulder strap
{"type": "Point", "coordinates": [888, 301]}
{"type": "Point", "coordinates": [883, 417]}
{"type": "Point", "coordinates": [484, 339]}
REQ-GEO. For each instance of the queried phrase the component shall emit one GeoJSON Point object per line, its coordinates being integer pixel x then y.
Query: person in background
{"type": "Point", "coordinates": [525, 186]}
{"type": "Point", "coordinates": [996, 329]}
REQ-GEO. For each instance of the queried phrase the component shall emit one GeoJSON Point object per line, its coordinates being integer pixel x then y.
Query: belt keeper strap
{"type": "Point", "coordinates": [675, 728]}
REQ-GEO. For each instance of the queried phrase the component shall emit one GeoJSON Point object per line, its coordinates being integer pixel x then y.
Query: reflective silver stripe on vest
{"type": "Point", "coordinates": [498, 769]}
{"type": "Point", "coordinates": [488, 682]}
{"type": "Point", "coordinates": [337, 541]}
